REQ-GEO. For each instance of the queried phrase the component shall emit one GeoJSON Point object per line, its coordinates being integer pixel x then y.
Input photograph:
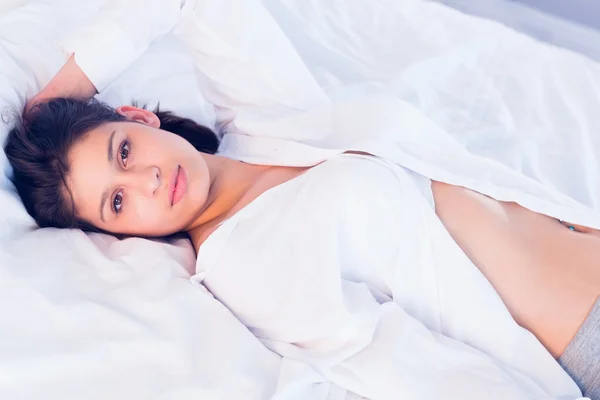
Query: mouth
{"type": "Point", "coordinates": [178, 185]}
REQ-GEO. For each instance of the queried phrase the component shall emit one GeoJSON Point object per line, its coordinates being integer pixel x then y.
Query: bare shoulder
{"type": "Point", "coordinates": [195, 238]}
{"type": "Point", "coordinates": [199, 236]}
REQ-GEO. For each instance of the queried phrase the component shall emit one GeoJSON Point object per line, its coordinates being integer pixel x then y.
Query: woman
{"type": "Point", "coordinates": [115, 171]}
{"type": "Point", "coordinates": [80, 164]}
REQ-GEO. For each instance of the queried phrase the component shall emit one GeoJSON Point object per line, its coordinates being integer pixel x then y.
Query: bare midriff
{"type": "Point", "coordinates": [547, 275]}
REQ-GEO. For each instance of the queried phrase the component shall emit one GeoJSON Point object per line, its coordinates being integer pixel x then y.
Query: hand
{"type": "Point", "coordinates": [69, 82]}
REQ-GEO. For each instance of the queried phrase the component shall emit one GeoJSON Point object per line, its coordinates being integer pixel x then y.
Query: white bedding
{"type": "Point", "coordinates": [93, 317]}
{"type": "Point", "coordinates": [564, 28]}
{"type": "Point", "coordinates": [90, 317]}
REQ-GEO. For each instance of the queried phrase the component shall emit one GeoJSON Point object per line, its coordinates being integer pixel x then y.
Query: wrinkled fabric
{"type": "Point", "coordinates": [348, 268]}
{"type": "Point", "coordinates": [450, 97]}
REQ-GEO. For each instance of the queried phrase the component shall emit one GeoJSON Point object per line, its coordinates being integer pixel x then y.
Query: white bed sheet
{"type": "Point", "coordinates": [91, 317]}
{"type": "Point", "coordinates": [565, 29]}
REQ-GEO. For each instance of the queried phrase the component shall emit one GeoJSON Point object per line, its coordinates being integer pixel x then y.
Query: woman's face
{"type": "Point", "coordinates": [133, 178]}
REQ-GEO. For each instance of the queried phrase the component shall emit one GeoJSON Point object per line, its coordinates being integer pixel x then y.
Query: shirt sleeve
{"type": "Point", "coordinates": [118, 34]}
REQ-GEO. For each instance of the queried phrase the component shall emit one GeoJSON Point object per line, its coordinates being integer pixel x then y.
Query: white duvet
{"type": "Point", "coordinates": [91, 317]}
{"type": "Point", "coordinates": [87, 316]}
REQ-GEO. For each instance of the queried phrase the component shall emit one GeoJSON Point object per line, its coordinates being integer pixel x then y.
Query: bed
{"type": "Point", "coordinates": [574, 25]}
{"type": "Point", "coordinates": [90, 316]}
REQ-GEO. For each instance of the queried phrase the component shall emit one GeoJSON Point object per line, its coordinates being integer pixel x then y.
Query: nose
{"type": "Point", "coordinates": [145, 180]}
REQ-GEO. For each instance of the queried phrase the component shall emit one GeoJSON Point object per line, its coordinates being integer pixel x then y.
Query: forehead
{"type": "Point", "coordinates": [88, 170]}
{"type": "Point", "coordinates": [90, 148]}
{"type": "Point", "coordinates": [91, 139]}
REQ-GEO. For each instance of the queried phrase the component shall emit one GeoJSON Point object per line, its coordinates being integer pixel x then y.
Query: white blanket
{"type": "Point", "coordinates": [91, 317]}
{"type": "Point", "coordinates": [78, 307]}
{"type": "Point", "coordinates": [503, 95]}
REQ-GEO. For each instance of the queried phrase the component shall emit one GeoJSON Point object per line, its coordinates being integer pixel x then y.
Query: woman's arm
{"type": "Point", "coordinates": [108, 44]}
{"type": "Point", "coordinates": [70, 82]}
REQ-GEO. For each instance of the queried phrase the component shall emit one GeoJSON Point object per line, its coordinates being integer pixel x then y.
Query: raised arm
{"type": "Point", "coordinates": [70, 81]}
{"type": "Point", "coordinates": [108, 44]}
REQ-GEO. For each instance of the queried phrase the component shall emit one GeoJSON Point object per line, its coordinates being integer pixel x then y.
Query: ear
{"type": "Point", "coordinates": [139, 115]}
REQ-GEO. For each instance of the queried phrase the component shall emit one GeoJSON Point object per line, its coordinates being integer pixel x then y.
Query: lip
{"type": "Point", "coordinates": [172, 183]}
{"type": "Point", "coordinates": [177, 185]}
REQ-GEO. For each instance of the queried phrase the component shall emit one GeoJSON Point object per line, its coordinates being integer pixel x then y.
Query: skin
{"type": "Point", "coordinates": [69, 82]}
{"type": "Point", "coordinates": [546, 274]}
{"type": "Point", "coordinates": [144, 161]}
{"type": "Point", "coordinates": [558, 279]}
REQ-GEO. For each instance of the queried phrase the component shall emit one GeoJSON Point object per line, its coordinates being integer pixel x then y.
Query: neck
{"type": "Point", "coordinates": [230, 180]}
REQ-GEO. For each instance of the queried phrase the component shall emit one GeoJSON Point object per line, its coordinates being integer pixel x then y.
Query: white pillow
{"type": "Point", "coordinates": [89, 316]}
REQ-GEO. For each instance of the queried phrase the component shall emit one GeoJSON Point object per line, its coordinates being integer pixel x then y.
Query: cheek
{"type": "Point", "coordinates": [144, 213]}
{"type": "Point", "coordinates": [147, 217]}
{"type": "Point", "coordinates": [194, 201]}
{"type": "Point", "coordinates": [199, 183]}
{"type": "Point", "coordinates": [198, 191]}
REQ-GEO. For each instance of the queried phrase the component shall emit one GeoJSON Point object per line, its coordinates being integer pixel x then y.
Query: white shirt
{"type": "Point", "coordinates": [346, 265]}
{"type": "Point", "coordinates": [276, 108]}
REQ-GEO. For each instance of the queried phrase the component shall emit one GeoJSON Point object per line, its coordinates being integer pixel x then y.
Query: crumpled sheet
{"type": "Point", "coordinates": [93, 317]}
{"type": "Point", "coordinates": [78, 307]}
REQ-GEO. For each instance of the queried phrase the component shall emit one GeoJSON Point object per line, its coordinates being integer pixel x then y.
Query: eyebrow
{"type": "Point", "coordinates": [110, 160]}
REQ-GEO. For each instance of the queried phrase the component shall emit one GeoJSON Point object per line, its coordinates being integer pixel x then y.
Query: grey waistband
{"type": "Point", "coordinates": [581, 358]}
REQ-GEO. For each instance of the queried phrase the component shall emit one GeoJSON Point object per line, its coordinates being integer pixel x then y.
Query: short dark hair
{"type": "Point", "coordinates": [38, 147]}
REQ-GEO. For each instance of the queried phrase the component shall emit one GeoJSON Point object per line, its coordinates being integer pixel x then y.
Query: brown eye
{"type": "Point", "coordinates": [124, 151]}
{"type": "Point", "coordinates": [117, 202]}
